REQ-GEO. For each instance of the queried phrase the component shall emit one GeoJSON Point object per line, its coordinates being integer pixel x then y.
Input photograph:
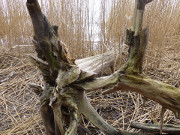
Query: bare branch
{"type": "Point", "coordinates": [58, 118]}
{"type": "Point", "coordinates": [167, 128]}
{"type": "Point", "coordinates": [98, 63]}
{"type": "Point", "coordinates": [36, 88]}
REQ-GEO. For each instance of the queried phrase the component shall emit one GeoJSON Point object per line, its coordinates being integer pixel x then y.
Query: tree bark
{"type": "Point", "coordinates": [129, 77]}
{"type": "Point", "coordinates": [168, 128]}
{"type": "Point", "coordinates": [63, 99]}
{"type": "Point", "coordinates": [61, 103]}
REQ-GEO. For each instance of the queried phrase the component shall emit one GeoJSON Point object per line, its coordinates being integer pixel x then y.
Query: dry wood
{"type": "Point", "coordinates": [167, 128]}
{"type": "Point", "coordinates": [165, 94]}
{"type": "Point", "coordinates": [59, 74]}
{"type": "Point", "coordinates": [65, 82]}
{"type": "Point", "coordinates": [97, 63]}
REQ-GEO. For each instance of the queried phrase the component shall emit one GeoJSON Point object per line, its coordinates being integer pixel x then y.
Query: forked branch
{"type": "Point", "coordinates": [59, 74]}
{"type": "Point", "coordinates": [66, 83]}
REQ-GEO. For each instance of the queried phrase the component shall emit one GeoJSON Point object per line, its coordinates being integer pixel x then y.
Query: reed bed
{"type": "Point", "coordinates": [162, 17]}
{"type": "Point", "coordinates": [20, 106]}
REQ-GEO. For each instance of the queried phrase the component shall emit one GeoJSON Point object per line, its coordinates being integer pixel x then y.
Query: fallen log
{"type": "Point", "coordinates": [155, 128]}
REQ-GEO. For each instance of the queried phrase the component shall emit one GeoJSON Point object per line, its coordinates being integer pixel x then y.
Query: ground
{"type": "Point", "coordinates": [20, 106]}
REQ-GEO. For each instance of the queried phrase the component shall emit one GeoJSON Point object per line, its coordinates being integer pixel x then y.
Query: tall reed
{"type": "Point", "coordinates": [80, 26]}
{"type": "Point", "coordinates": [162, 17]}
{"type": "Point", "coordinates": [72, 16]}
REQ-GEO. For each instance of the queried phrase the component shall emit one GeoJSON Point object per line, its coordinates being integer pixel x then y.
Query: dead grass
{"type": "Point", "coordinates": [162, 17]}
{"type": "Point", "coordinates": [72, 17]}
{"type": "Point", "coordinates": [20, 107]}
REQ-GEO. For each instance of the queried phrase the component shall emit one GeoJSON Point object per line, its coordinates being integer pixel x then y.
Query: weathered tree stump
{"type": "Point", "coordinates": [63, 97]}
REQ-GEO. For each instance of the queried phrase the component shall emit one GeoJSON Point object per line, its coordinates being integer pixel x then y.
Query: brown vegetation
{"type": "Point", "coordinates": [16, 70]}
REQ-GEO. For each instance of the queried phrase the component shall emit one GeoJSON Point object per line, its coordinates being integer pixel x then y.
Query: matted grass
{"type": "Point", "coordinates": [20, 106]}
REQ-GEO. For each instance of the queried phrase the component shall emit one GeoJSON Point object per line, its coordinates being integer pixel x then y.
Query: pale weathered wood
{"type": "Point", "coordinates": [165, 94]}
{"type": "Point", "coordinates": [90, 113]}
{"type": "Point", "coordinates": [155, 128]}
{"type": "Point", "coordinates": [97, 63]}
{"type": "Point", "coordinates": [36, 88]}
{"type": "Point", "coordinates": [129, 78]}
{"type": "Point", "coordinates": [59, 94]}
{"type": "Point", "coordinates": [138, 15]}
{"type": "Point", "coordinates": [106, 82]}
{"type": "Point", "coordinates": [66, 83]}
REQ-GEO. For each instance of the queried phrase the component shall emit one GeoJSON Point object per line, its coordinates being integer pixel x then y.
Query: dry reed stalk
{"type": "Point", "coordinates": [161, 16]}
{"type": "Point", "coordinates": [19, 104]}
{"type": "Point", "coordinates": [20, 107]}
{"type": "Point", "coordinates": [72, 17]}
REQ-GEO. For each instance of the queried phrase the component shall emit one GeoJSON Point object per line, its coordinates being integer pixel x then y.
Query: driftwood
{"type": "Point", "coordinates": [63, 97]}
{"type": "Point", "coordinates": [155, 128]}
